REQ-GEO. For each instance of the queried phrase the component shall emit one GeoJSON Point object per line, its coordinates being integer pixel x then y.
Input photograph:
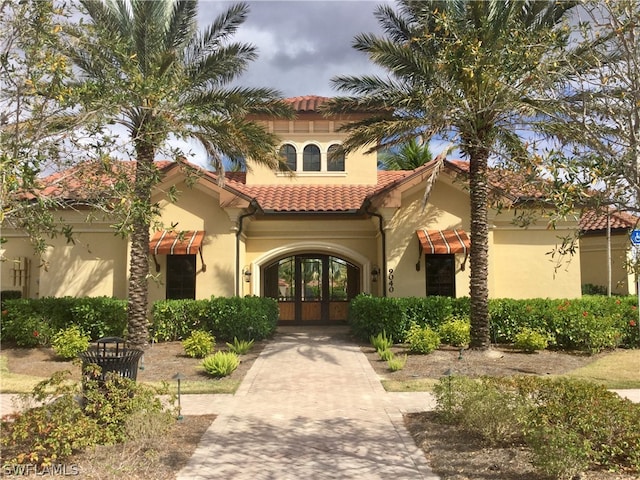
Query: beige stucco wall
{"type": "Point", "coordinates": [199, 209]}
{"type": "Point", "coordinates": [360, 168]}
{"type": "Point", "coordinates": [268, 240]}
{"type": "Point", "coordinates": [593, 261]}
{"type": "Point", "coordinates": [520, 266]}
{"type": "Point", "coordinates": [16, 248]}
{"type": "Point", "coordinates": [91, 266]}
{"type": "Point", "coordinates": [447, 208]}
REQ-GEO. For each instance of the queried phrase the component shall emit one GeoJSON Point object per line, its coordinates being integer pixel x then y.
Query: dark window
{"type": "Point", "coordinates": [181, 276]}
{"type": "Point", "coordinates": [441, 275]}
{"type": "Point", "coordinates": [311, 159]}
{"type": "Point", "coordinates": [288, 154]}
{"type": "Point", "coordinates": [335, 158]}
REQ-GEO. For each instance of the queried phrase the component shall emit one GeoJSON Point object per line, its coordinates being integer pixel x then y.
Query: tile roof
{"type": "Point", "coordinates": [312, 198]}
{"type": "Point", "coordinates": [594, 221]}
{"type": "Point", "coordinates": [307, 103]}
{"type": "Point", "coordinates": [88, 179]}
{"type": "Point", "coordinates": [515, 185]}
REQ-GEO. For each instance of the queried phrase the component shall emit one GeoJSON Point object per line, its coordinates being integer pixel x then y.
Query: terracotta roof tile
{"type": "Point", "coordinates": [594, 221]}
{"type": "Point", "coordinates": [89, 179]}
{"type": "Point", "coordinates": [307, 103]}
{"type": "Point", "coordinates": [312, 198]}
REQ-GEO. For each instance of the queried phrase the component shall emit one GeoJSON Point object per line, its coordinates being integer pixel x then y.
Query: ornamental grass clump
{"type": "Point", "coordinates": [385, 355]}
{"type": "Point", "coordinates": [199, 344]}
{"type": "Point", "coordinates": [221, 364]}
{"type": "Point", "coordinates": [240, 347]}
{"type": "Point", "coordinates": [396, 363]}
{"type": "Point", "coordinates": [381, 341]}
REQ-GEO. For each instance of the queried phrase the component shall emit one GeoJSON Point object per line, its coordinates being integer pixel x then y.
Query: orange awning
{"type": "Point", "coordinates": [169, 242]}
{"type": "Point", "coordinates": [443, 241]}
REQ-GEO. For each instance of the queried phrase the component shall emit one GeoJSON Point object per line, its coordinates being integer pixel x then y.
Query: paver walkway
{"type": "Point", "coordinates": [310, 407]}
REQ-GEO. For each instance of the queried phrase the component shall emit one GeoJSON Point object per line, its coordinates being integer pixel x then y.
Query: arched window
{"type": "Point", "coordinates": [311, 159]}
{"type": "Point", "coordinates": [288, 154]}
{"type": "Point", "coordinates": [335, 158]}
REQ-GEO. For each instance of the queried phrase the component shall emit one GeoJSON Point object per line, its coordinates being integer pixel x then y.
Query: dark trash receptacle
{"type": "Point", "coordinates": [112, 355]}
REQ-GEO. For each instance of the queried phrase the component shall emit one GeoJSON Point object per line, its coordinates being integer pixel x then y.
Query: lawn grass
{"type": "Point", "coordinates": [416, 385]}
{"type": "Point", "coordinates": [619, 369]}
{"type": "Point", "coordinates": [15, 382]}
{"type": "Point", "coordinates": [223, 385]}
{"type": "Point", "coordinates": [18, 383]}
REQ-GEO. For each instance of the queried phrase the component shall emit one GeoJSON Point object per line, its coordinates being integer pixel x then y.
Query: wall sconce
{"type": "Point", "coordinates": [375, 272]}
{"type": "Point", "coordinates": [246, 271]}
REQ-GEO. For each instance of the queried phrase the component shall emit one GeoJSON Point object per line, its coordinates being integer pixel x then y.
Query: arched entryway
{"type": "Point", "coordinates": [312, 288]}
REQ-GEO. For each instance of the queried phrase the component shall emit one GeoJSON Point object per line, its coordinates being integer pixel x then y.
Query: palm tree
{"type": "Point", "coordinates": [145, 66]}
{"type": "Point", "coordinates": [408, 156]}
{"type": "Point", "coordinates": [471, 71]}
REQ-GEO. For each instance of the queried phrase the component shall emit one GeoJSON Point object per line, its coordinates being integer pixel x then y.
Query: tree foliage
{"type": "Point", "coordinates": [598, 128]}
{"type": "Point", "coordinates": [144, 67]}
{"type": "Point", "coordinates": [35, 133]}
{"type": "Point", "coordinates": [473, 73]}
{"type": "Point", "coordinates": [408, 156]}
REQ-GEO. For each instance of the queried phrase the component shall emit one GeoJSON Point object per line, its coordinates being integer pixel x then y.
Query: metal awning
{"type": "Point", "coordinates": [443, 241]}
{"type": "Point", "coordinates": [170, 242]}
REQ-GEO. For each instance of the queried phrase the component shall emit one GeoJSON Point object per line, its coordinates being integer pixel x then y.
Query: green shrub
{"type": "Point", "coordinates": [68, 343]}
{"type": "Point", "coordinates": [582, 420]}
{"type": "Point", "coordinates": [199, 344]}
{"type": "Point", "coordinates": [96, 316]}
{"type": "Point", "coordinates": [381, 341]}
{"type": "Point", "coordinates": [531, 340]}
{"type": "Point", "coordinates": [9, 295]}
{"type": "Point", "coordinates": [569, 425]}
{"type": "Point", "coordinates": [61, 424]}
{"type": "Point", "coordinates": [99, 316]}
{"type": "Point", "coordinates": [115, 400]}
{"type": "Point", "coordinates": [221, 364]}
{"type": "Point", "coordinates": [176, 319]}
{"type": "Point", "coordinates": [23, 324]}
{"type": "Point", "coordinates": [426, 311]}
{"type": "Point", "coordinates": [240, 347]}
{"type": "Point", "coordinates": [456, 332]}
{"type": "Point", "coordinates": [385, 355]}
{"type": "Point", "coordinates": [246, 318]}
{"type": "Point", "coordinates": [422, 339]}
{"type": "Point", "coordinates": [396, 363]}
{"type": "Point", "coordinates": [371, 315]}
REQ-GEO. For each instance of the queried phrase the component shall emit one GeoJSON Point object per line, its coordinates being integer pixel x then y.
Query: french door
{"type": "Point", "coordinates": [312, 288]}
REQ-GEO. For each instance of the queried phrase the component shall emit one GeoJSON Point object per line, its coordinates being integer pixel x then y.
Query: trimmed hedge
{"type": "Point", "coordinates": [248, 318]}
{"type": "Point", "coordinates": [32, 322]}
{"type": "Point", "coordinates": [591, 323]}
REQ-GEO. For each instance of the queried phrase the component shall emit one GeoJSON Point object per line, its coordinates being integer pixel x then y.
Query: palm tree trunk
{"type": "Point", "coordinates": [137, 322]}
{"type": "Point", "coordinates": [479, 253]}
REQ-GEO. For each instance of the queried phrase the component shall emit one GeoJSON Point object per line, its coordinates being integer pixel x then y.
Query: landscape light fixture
{"type": "Point", "coordinates": [178, 376]}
